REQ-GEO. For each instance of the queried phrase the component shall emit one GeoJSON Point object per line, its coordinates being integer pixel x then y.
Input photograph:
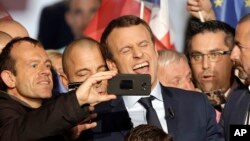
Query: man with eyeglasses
{"type": "Point", "coordinates": [209, 46]}
{"type": "Point", "coordinates": [237, 109]}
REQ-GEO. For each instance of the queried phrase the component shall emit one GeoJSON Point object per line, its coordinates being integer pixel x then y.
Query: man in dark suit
{"type": "Point", "coordinates": [128, 45]}
{"type": "Point", "coordinates": [237, 109]}
{"type": "Point", "coordinates": [210, 61]}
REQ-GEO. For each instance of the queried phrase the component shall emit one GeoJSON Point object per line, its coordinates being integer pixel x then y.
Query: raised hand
{"type": "Point", "coordinates": [87, 94]}
{"type": "Point", "coordinates": [202, 6]}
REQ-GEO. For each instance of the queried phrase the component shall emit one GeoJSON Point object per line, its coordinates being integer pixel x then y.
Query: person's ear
{"type": "Point", "coordinates": [64, 80]}
{"type": "Point", "coordinates": [156, 51]}
{"type": "Point", "coordinates": [111, 65]}
{"type": "Point", "coordinates": [8, 78]}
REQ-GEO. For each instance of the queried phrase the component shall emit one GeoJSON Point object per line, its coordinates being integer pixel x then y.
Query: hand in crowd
{"type": "Point", "coordinates": [204, 6]}
{"type": "Point", "coordinates": [86, 93]}
{"type": "Point", "coordinates": [84, 125]}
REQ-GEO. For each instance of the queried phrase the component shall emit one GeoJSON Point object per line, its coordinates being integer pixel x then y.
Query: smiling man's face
{"type": "Point", "coordinates": [134, 51]}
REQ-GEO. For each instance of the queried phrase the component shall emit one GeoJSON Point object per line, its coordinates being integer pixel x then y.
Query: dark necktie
{"type": "Point", "coordinates": [151, 115]}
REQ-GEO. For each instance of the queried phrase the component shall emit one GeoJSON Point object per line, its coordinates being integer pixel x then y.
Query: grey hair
{"type": "Point", "coordinates": [168, 56]}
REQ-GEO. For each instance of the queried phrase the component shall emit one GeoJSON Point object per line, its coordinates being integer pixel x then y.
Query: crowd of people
{"type": "Point", "coordinates": [195, 95]}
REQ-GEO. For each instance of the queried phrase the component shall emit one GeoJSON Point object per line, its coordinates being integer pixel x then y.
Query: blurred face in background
{"type": "Point", "coordinates": [80, 13]}
{"type": "Point", "coordinates": [176, 74]}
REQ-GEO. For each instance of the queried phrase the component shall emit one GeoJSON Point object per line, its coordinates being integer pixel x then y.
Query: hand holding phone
{"type": "Point", "coordinates": [125, 84]}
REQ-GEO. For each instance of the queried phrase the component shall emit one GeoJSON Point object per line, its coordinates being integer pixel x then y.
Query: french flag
{"type": "Point", "coordinates": [155, 12]}
{"type": "Point", "coordinates": [159, 23]}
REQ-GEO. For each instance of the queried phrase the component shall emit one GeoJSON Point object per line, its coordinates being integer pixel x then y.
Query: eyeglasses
{"type": "Point", "coordinates": [212, 56]}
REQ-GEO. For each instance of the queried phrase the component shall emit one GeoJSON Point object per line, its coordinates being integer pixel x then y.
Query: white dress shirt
{"type": "Point", "coordinates": [137, 112]}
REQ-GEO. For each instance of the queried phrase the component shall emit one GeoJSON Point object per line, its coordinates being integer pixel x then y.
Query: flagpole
{"type": "Point", "coordinates": [142, 9]}
{"type": "Point", "coordinates": [201, 16]}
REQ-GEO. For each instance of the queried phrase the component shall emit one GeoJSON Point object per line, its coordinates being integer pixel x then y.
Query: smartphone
{"type": "Point", "coordinates": [74, 85]}
{"type": "Point", "coordinates": [130, 84]}
{"type": "Point", "coordinates": [125, 84]}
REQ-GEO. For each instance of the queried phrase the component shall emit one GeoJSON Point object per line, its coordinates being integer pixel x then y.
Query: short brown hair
{"type": "Point", "coordinates": [123, 21]}
{"type": "Point", "coordinates": [147, 133]}
{"type": "Point", "coordinates": [196, 27]}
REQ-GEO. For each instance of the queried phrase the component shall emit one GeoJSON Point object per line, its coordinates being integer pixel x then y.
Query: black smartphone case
{"type": "Point", "coordinates": [130, 84]}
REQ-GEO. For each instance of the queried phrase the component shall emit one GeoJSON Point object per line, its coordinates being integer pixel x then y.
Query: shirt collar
{"type": "Point", "coordinates": [130, 101]}
{"type": "Point", "coordinates": [233, 86]}
{"type": "Point", "coordinates": [249, 87]}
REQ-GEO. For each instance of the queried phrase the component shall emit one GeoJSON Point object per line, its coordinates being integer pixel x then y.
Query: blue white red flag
{"type": "Point", "coordinates": [159, 23]}
{"type": "Point", "coordinates": [156, 14]}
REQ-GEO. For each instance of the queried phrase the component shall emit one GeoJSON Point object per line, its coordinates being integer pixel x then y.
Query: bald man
{"type": "Point", "coordinates": [81, 59]}
{"type": "Point", "coordinates": [13, 28]}
{"type": "Point", "coordinates": [4, 39]}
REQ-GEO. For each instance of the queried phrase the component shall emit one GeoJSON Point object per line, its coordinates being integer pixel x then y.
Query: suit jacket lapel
{"type": "Point", "coordinates": [235, 109]}
{"type": "Point", "coordinates": [170, 106]}
{"type": "Point", "coordinates": [242, 105]}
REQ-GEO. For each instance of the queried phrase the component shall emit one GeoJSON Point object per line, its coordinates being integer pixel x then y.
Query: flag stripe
{"type": "Point", "coordinates": [157, 17]}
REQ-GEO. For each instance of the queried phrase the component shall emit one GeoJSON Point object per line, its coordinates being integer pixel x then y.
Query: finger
{"type": "Point", "coordinates": [88, 119]}
{"type": "Point", "coordinates": [106, 97]}
{"type": "Point", "coordinates": [93, 104]}
{"type": "Point", "coordinates": [192, 2]}
{"type": "Point", "coordinates": [98, 77]}
{"type": "Point", "coordinates": [86, 94]}
{"type": "Point", "coordinates": [193, 8]}
{"type": "Point", "coordinates": [113, 73]}
{"type": "Point", "coordinates": [94, 80]}
{"type": "Point", "coordinates": [82, 127]}
{"type": "Point", "coordinates": [93, 115]}
{"type": "Point", "coordinates": [86, 126]}
{"type": "Point", "coordinates": [91, 108]}
{"type": "Point", "coordinates": [88, 84]}
{"type": "Point", "coordinates": [76, 131]}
